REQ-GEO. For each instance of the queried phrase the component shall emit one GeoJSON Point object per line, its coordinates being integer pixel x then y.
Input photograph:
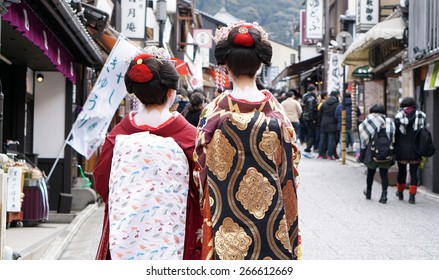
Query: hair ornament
{"type": "Point", "coordinates": [159, 53]}
{"type": "Point", "coordinates": [222, 33]}
{"type": "Point", "coordinates": [140, 72]}
{"type": "Point", "coordinates": [154, 52]}
{"type": "Point", "coordinates": [243, 38]}
{"type": "Point", "coordinates": [220, 76]}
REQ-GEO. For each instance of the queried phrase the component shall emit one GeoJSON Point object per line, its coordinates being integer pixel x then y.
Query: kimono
{"type": "Point", "coordinates": [246, 170]}
{"type": "Point", "coordinates": [184, 134]}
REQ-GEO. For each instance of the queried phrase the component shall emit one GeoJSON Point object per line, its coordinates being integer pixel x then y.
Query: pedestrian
{"type": "Point", "coordinates": [350, 139]}
{"type": "Point", "coordinates": [368, 129]}
{"type": "Point", "coordinates": [184, 100]}
{"type": "Point", "coordinates": [247, 161]}
{"type": "Point", "coordinates": [193, 111]}
{"type": "Point", "coordinates": [328, 127]}
{"type": "Point", "coordinates": [293, 109]}
{"type": "Point", "coordinates": [144, 173]}
{"type": "Point", "coordinates": [310, 118]}
{"type": "Point", "coordinates": [407, 121]}
{"type": "Point", "coordinates": [176, 103]}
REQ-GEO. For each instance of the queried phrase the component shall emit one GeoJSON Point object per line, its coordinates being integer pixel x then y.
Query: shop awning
{"type": "Point", "coordinates": [297, 68]}
{"type": "Point", "coordinates": [358, 52]}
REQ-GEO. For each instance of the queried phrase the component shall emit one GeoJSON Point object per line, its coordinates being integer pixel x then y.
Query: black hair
{"type": "Point", "coordinates": [289, 93]}
{"type": "Point", "coordinates": [408, 102]}
{"type": "Point", "coordinates": [348, 95]}
{"type": "Point", "coordinates": [377, 108]}
{"type": "Point", "coordinates": [241, 60]}
{"type": "Point", "coordinates": [197, 98]}
{"type": "Point", "coordinates": [310, 88]}
{"type": "Point", "coordinates": [335, 93]}
{"type": "Point", "coordinates": [155, 90]}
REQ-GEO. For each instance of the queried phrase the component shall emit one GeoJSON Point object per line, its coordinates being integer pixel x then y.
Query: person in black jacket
{"type": "Point", "coordinates": [309, 118]}
{"type": "Point", "coordinates": [328, 126]}
{"type": "Point", "coordinates": [193, 111]}
{"type": "Point", "coordinates": [407, 121]}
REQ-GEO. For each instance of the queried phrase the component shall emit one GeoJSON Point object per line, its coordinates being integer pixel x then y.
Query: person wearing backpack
{"type": "Point", "coordinates": [310, 119]}
{"type": "Point", "coordinates": [144, 171]}
{"type": "Point", "coordinates": [376, 142]}
{"type": "Point", "coordinates": [408, 121]}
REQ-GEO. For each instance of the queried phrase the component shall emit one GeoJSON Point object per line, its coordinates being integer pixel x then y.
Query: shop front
{"type": "Point", "coordinates": [45, 54]}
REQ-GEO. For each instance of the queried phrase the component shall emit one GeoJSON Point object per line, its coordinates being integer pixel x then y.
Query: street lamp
{"type": "Point", "coordinates": [161, 13]}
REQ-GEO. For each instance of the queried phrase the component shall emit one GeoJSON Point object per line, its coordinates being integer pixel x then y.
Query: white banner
{"type": "Point", "coordinates": [13, 195]}
{"type": "Point", "coordinates": [91, 126]}
{"type": "Point", "coordinates": [335, 73]}
{"type": "Point", "coordinates": [314, 19]}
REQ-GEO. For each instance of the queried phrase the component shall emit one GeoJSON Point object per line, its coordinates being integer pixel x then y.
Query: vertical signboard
{"type": "Point", "coordinates": [203, 39]}
{"type": "Point", "coordinates": [314, 19]}
{"type": "Point", "coordinates": [14, 189]}
{"type": "Point", "coordinates": [335, 73]}
{"type": "Point", "coordinates": [368, 14]}
{"type": "Point", "coordinates": [133, 18]}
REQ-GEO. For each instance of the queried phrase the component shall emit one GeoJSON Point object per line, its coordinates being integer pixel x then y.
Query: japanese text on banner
{"type": "Point", "coordinates": [91, 126]}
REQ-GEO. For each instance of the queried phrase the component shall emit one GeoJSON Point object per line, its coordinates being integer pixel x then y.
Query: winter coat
{"type": "Point", "coordinates": [327, 120]}
{"type": "Point", "coordinates": [309, 113]}
{"type": "Point", "coordinates": [404, 144]}
{"type": "Point", "coordinates": [348, 102]}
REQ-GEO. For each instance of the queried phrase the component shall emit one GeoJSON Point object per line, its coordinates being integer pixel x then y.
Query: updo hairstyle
{"type": "Point", "coordinates": [243, 60]}
{"type": "Point", "coordinates": [153, 91]}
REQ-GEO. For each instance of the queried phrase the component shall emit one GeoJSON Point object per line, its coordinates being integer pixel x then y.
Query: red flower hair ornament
{"type": "Point", "coordinates": [140, 72]}
{"type": "Point", "coordinates": [243, 38]}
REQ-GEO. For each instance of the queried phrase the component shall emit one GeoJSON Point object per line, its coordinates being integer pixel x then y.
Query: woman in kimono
{"type": "Point", "coordinates": [246, 160]}
{"type": "Point", "coordinates": [139, 215]}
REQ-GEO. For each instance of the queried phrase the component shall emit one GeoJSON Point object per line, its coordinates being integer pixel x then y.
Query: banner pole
{"type": "Point", "coordinates": [59, 156]}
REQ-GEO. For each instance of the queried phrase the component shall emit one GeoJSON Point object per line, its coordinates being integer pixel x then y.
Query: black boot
{"type": "Point", "coordinates": [412, 199]}
{"type": "Point", "coordinates": [367, 193]}
{"type": "Point", "coordinates": [383, 198]}
{"type": "Point", "coordinates": [400, 195]}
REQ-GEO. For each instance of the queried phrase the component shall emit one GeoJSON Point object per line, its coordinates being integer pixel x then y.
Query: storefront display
{"type": "Point", "coordinates": [27, 195]}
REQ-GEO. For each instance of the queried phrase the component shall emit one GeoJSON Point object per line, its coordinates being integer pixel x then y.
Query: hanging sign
{"type": "Point", "coordinates": [314, 19]}
{"type": "Point", "coordinates": [133, 17]}
{"type": "Point", "coordinates": [368, 13]}
{"type": "Point", "coordinates": [335, 72]}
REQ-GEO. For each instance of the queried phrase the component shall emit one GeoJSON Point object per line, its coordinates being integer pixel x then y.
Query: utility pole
{"type": "Point", "coordinates": [343, 109]}
{"type": "Point", "coordinates": [326, 43]}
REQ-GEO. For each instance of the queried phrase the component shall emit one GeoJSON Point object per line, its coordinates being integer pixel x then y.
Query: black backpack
{"type": "Point", "coordinates": [309, 104]}
{"type": "Point", "coordinates": [423, 143]}
{"type": "Point", "coordinates": [381, 148]}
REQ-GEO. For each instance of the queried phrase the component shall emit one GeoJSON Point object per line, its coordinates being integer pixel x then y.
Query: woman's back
{"type": "Point", "coordinates": [247, 151]}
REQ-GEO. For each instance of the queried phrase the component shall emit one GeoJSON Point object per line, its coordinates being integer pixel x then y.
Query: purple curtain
{"type": "Point", "coordinates": [29, 24]}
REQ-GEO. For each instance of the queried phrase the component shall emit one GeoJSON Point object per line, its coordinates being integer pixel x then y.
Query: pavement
{"type": "Point", "coordinates": [53, 239]}
{"type": "Point", "coordinates": [336, 221]}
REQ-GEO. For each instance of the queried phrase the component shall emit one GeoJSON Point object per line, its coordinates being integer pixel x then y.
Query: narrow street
{"type": "Point", "coordinates": [336, 221]}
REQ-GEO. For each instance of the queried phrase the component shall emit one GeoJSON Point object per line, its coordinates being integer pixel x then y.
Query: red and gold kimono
{"type": "Point", "coordinates": [246, 170]}
{"type": "Point", "coordinates": [184, 135]}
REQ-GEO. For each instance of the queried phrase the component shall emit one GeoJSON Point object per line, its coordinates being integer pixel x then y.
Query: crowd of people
{"type": "Point", "coordinates": [317, 119]}
{"type": "Point", "coordinates": [184, 177]}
